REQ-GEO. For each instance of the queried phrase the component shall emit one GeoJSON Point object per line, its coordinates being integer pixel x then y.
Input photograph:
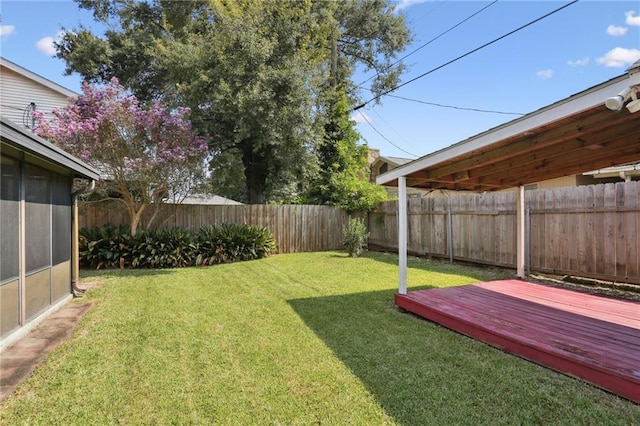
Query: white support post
{"type": "Point", "coordinates": [402, 234]}
{"type": "Point", "coordinates": [520, 237]}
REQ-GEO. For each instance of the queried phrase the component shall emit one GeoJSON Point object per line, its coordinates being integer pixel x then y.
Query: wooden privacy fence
{"type": "Point", "coordinates": [589, 231]}
{"type": "Point", "coordinates": [297, 228]}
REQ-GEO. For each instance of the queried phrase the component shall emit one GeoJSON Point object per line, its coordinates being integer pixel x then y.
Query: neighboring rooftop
{"type": "Point", "coordinates": [208, 199]}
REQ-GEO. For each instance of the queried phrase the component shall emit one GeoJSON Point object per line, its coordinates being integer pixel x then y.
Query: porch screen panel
{"type": "Point", "coordinates": [37, 239]}
{"type": "Point", "coordinates": [9, 218]}
{"type": "Point", "coordinates": [61, 219]}
{"type": "Point", "coordinates": [61, 237]}
{"type": "Point", "coordinates": [9, 244]}
{"type": "Point", "coordinates": [38, 218]}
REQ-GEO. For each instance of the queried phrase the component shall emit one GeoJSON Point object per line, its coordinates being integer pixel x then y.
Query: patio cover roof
{"type": "Point", "coordinates": [572, 136]}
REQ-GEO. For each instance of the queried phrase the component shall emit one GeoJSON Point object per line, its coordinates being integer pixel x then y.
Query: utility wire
{"type": "Point", "coordinates": [364, 117]}
{"type": "Point", "coordinates": [465, 54]}
{"type": "Point", "coordinates": [456, 107]}
{"type": "Point", "coordinates": [432, 40]}
{"type": "Point", "coordinates": [389, 125]}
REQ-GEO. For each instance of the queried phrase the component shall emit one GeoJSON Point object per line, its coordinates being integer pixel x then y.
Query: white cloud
{"type": "Point", "coordinates": [45, 44]}
{"type": "Point", "coordinates": [361, 117]}
{"type": "Point", "coordinates": [403, 4]}
{"type": "Point", "coordinates": [614, 31]}
{"type": "Point", "coordinates": [544, 74]}
{"type": "Point", "coordinates": [632, 18]}
{"type": "Point", "coordinates": [578, 62]}
{"type": "Point", "coordinates": [7, 30]}
{"type": "Point", "coordinates": [619, 57]}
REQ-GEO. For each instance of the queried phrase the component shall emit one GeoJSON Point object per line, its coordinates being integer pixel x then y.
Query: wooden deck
{"type": "Point", "coordinates": [593, 338]}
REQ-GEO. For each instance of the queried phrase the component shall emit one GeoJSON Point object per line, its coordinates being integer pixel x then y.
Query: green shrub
{"type": "Point", "coordinates": [355, 236]}
{"type": "Point", "coordinates": [105, 247]}
{"type": "Point", "coordinates": [232, 242]}
{"type": "Point", "coordinates": [163, 248]}
{"type": "Point", "coordinates": [114, 247]}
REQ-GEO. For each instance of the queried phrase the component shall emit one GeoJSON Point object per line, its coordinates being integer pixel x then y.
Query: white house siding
{"type": "Point", "coordinates": [17, 92]}
{"type": "Point", "coordinates": [558, 183]}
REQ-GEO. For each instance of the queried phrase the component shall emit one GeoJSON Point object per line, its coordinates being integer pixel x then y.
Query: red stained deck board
{"type": "Point", "coordinates": [603, 308]}
{"type": "Point", "coordinates": [590, 337]}
{"type": "Point", "coordinates": [541, 330]}
{"type": "Point", "coordinates": [543, 324]}
{"type": "Point", "coordinates": [490, 303]}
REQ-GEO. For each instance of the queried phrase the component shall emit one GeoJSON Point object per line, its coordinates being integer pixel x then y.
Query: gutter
{"type": "Point", "coordinates": [75, 234]}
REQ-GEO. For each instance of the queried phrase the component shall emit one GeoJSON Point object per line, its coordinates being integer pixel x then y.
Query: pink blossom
{"type": "Point", "coordinates": [108, 128]}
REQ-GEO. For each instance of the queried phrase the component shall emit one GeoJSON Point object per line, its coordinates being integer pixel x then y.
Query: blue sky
{"type": "Point", "coordinates": [583, 45]}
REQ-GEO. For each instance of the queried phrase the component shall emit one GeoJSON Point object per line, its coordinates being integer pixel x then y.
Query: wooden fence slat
{"type": "Point", "coordinates": [591, 231]}
{"type": "Point", "coordinates": [296, 228]}
{"type": "Point", "coordinates": [586, 230]}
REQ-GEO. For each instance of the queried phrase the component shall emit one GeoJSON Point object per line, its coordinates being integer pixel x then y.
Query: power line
{"type": "Point", "coordinates": [432, 40]}
{"type": "Point", "coordinates": [389, 125]}
{"type": "Point", "coordinates": [364, 117]}
{"type": "Point", "coordinates": [456, 107]}
{"type": "Point", "coordinates": [465, 54]}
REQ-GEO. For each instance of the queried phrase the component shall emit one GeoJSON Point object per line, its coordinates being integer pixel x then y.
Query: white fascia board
{"type": "Point", "coordinates": [576, 103]}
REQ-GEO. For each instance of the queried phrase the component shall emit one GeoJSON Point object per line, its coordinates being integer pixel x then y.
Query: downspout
{"type": "Point", "coordinates": [75, 235]}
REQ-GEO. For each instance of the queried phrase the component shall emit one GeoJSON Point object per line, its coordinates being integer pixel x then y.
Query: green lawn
{"type": "Point", "coordinates": [290, 340]}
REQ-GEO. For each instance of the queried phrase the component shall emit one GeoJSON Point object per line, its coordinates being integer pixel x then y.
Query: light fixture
{"type": "Point", "coordinates": [634, 106]}
{"type": "Point", "coordinates": [615, 103]}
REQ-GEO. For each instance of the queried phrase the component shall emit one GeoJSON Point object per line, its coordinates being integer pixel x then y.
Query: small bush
{"type": "Point", "coordinates": [163, 248]}
{"type": "Point", "coordinates": [355, 236]}
{"type": "Point", "coordinates": [114, 247]}
{"type": "Point", "coordinates": [232, 242]}
{"type": "Point", "coordinates": [105, 247]}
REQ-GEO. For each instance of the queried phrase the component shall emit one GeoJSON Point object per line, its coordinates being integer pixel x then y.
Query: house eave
{"type": "Point", "coordinates": [15, 135]}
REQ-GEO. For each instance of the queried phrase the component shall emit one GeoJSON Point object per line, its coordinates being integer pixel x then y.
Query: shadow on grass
{"type": "Point", "coordinates": [401, 359]}
{"type": "Point", "coordinates": [401, 364]}
{"type": "Point", "coordinates": [419, 372]}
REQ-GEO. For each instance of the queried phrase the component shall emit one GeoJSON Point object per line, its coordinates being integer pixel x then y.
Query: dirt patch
{"type": "Point", "coordinates": [622, 291]}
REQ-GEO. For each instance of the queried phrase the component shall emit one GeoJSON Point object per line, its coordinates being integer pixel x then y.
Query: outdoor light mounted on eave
{"type": "Point", "coordinates": [615, 103]}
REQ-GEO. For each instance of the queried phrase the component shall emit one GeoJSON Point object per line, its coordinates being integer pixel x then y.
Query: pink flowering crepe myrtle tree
{"type": "Point", "coordinates": [146, 155]}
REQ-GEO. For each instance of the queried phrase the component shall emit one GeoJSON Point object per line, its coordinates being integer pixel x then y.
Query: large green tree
{"type": "Point", "coordinates": [254, 72]}
{"type": "Point", "coordinates": [343, 179]}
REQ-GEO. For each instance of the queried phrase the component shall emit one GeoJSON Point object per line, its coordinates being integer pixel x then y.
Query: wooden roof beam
{"type": "Point", "coordinates": [611, 149]}
{"type": "Point", "coordinates": [526, 144]}
{"type": "Point", "coordinates": [573, 149]}
{"type": "Point", "coordinates": [575, 167]}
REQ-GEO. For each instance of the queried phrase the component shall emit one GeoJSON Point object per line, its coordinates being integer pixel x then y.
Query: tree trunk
{"type": "Point", "coordinates": [136, 215]}
{"type": "Point", "coordinates": [255, 172]}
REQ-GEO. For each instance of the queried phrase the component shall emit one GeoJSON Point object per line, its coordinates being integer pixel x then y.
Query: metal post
{"type": "Point", "coordinates": [520, 233]}
{"type": "Point", "coordinates": [527, 246]}
{"type": "Point", "coordinates": [450, 232]}
{"type": "Point", "coordinates": [402, 234]}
